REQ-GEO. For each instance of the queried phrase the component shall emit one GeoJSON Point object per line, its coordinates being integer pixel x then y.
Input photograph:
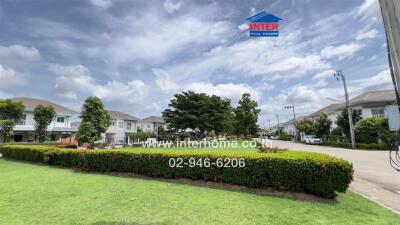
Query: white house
{"type": "Point", "coordinates": [60, 126]}
{"type": "Point", "coordinates": [122, 124]}
{"type": "Point", "coordinates": [151, 124]}
{"type": "Point", "coordinates": [372, 104]}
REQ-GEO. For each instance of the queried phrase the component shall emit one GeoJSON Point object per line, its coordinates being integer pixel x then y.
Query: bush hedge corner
{"type": "Point", "coordinates": [311, 173]}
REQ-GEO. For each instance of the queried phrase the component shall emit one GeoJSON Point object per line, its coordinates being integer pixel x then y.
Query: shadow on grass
{"type": "Point", "coordinates": [205, 184]}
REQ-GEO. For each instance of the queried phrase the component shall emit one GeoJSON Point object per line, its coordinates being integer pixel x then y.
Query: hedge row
{"type": "Point", "coordinates": [358, 145]}
{"type": "Point", "coordinates": [312, 173]}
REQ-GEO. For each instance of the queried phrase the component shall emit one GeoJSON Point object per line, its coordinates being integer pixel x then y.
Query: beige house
{"type": "Point", "coordinates": [60, 127]}
{"type": "Point", "coordinates": [151, 124]}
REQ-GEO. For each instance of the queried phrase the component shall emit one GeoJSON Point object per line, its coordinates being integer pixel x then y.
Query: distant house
{"type": "Point", "coordinates": [60, 127]}
{"type": "Point", "coordinates": [151, 124]}
{"type": "Point", "coordinates": [121, 125]}
{"type": "Point", "coordinates": [372, 104]}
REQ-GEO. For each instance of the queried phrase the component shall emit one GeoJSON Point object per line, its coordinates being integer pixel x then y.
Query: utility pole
{"type": "Point", "coordinates": [294, 120]}
{"type": "Point", "coordinates": [269, 124]}
{"type": "Point", "coordinates": [277, 117]}
{"type": "Point", "coordinates": [339, 76]}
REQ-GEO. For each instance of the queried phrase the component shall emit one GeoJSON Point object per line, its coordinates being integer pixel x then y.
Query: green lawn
{"type": "Point", "coordinates": [39, 194]}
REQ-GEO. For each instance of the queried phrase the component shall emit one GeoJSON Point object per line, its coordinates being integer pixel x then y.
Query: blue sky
{"type": "Point", "coordinates": [136, 55]}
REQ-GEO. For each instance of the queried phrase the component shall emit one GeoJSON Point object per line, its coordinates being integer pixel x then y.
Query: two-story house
{"type": "Point", "coordinates": [121, 125]}
{"type": "Point", "coordinates": [60, 127]}
{"type": "Point", "coordinates": [151, 124]}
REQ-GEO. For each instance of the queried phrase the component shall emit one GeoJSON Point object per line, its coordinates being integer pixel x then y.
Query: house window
{"type": "Point", "coordinates": [129, 126]}
{"type": "Point", "coordinates": [378, 112]}
{"type": "Point", "coordinates": [60, 119]}
{"type": "Point", "coordinates": [121, 124]}
{"type": "Point", "coordinates": [148, 125]}
{"type": "Point", "coordinates": [22, 120]}
{"type": "Point", "coordinates": [113, 123]}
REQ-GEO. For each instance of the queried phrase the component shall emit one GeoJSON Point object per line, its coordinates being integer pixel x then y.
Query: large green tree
{"type": "Point", "coordinates": [342, 120]}
{"type": "Point", "coordinates": [199, 112]}
{"type": "Point", "coordinates": [10, 113]}
{"type": "Point", "coordinates": [246, 116]}
{"type": "Point", "coordinates": [323, 125]}
{"type": "Point", "coordinates": [95, 121]}
{"type": "Point", "coordinates": [369, 130]}
{"type": "Point", "coordinates": [307, 126]}
{"type": "Point", "coordinates": [43, 115]}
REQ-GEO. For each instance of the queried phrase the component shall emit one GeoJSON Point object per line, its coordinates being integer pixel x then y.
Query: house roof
{"type": "Point", "coordinates": [121, 115]}
{"type": "Point", "coordinates": [152, 119]}
{"type": "Point", "coordinates": [328, 109]}
{"type": "Point", "coordinates": [264, 17]}
{"type": "Point", "coordinates": [31, 103]}
{"type": "Point", "coordinates": [373, 97]}
{"type": "Point", "coordinates": [370, 98]}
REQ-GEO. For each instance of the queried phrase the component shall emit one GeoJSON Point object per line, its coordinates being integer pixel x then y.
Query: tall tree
{"type": "Point", "coordinates": [323, 125]}
{"type": "Point", "coordinates": [342, 120]}
{"type": "Point", "coordinates": [43, 115]}
{"type": "Point", "coordinates": [95, 121]}
{"type": "Point", "coordinates": [10, 113]}
{"type": "Point", "coordinates": [307, 126]}
{"type": "Point", "coordinates": [246, 116]}
{"type": "Point", "coordinates": [198, 112]}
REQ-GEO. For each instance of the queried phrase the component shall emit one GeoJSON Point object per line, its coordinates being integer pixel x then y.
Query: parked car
{"type": "Point", "coordinates": [312, 139]}
{"type": "Point", "coordinates": [273, 137]}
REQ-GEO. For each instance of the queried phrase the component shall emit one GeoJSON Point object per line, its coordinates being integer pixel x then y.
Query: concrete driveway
{"type": "Point", "coordinates": [373, 176]}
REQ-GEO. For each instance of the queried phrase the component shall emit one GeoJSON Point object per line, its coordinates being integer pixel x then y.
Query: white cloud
{"type": "Point", "coordinates": [227, 90]}
{"type": "Point", "coordinates": [192, 30]}
{"type": "Point", "coordinates": [323, 75]}
{"type": "Point", "coordinates": [369, 9]}
{"type": "Point", "coordinates": [117, 92]}
{"type": "Point", "coordinates": [172, 6]}
{"type": "Point", "coordinates": [367, 35]}
{"type": "Point", "coordinates": [19, 52]}
{"type": "Point", "coordinates": [78, 79]}
{"type": "Point", "coordinates": [341, 52]}
{"type": "Point", "coordinates": [101, 3]}
{"type": "Point", "coordinates": [9, 77]}
{"type": "Point", "coordinates": [4, 95]}
{"type": "Point", "coordinates": [164, 81]}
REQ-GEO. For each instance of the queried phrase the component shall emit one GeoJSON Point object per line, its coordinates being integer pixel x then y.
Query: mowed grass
{"type": "Point", "coordinates": [39, 194]}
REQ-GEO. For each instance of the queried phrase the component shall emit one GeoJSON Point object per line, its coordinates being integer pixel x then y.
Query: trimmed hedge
{"type": "Point", "coordinates": [358, 145]}
{"type": "Point", "coordinates": [312, 173]}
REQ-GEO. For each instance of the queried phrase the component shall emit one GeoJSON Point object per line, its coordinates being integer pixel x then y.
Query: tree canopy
{"type": "Point", "coordinates": [246, 116]}
{"type": "Point", "coordinates": [43, 115]}
{"type": "Point", "coordinates": [342, 120]}
{"type": "Point", "coordinates": [199, 112]}
{"type": "Point", "coordinates": [10, 113]}
{"type": "Point", "coordinates": [95, 121]}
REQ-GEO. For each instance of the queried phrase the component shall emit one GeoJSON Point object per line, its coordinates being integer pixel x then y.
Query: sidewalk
{"type": "Point", "coordinates": [374, 178]}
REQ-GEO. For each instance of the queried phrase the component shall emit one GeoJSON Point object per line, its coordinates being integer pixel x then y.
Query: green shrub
{"type": "Point", "coordinates": [32, 153]}
{"type": "Point", "coordinates": [312, 173]}
{"type": "Point", "coordinates": [372, 146]}
{"type": "Point", "coordinates": [285, 137]}
{"type": "Point", "coordinates": [367, 130]}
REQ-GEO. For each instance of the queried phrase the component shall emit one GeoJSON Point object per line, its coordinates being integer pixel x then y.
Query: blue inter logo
{"type": "Point", "coordinates": [264, 24]}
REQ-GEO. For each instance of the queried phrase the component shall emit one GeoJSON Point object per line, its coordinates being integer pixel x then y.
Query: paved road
{"type": "Point", "coordinates": [373, 176]}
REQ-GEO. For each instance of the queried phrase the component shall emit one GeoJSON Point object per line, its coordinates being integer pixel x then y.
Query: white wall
{"type": "Point", "coordinates": [30, 122]}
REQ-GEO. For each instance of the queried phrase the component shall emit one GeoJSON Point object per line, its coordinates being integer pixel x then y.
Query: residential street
{"type": "Point", "coordinates": [374, 177]}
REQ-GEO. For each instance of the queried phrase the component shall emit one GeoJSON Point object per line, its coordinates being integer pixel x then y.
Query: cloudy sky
{"type": "Point", "coordinates": [136, 55]}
